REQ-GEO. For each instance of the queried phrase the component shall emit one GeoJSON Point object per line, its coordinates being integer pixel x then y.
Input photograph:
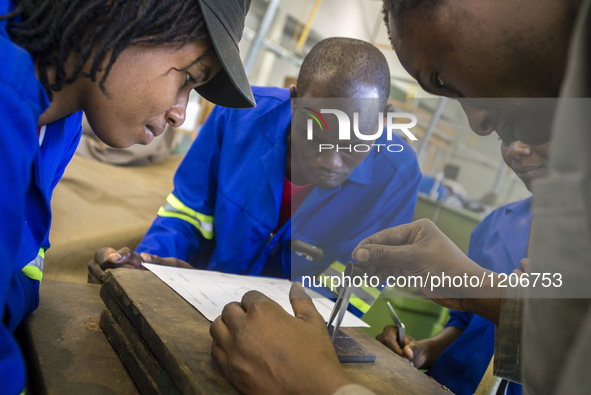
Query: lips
{"type": "Point", "coordinates": [152, 132]}
{"type": "Point", "coordinates": [530, 172]}
{"type": "Point", "coordinates": [155, 131]}
{"type": "Point", "coordinates": [326, 175]}
{"type": "Point", "coordinates": [526, 169]}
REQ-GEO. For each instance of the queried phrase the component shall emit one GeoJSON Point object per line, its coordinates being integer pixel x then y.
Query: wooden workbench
{"type": "Point", "coordinates": [170, 342]}
{"type": "Point", "coordinates": [65, 348]}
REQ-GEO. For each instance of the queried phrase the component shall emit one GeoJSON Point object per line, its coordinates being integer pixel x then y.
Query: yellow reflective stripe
{"type": "Point", "coordinates": [338, 266]}
{"type": "Point", "coordinates": [356, 301]}
{"type": "Point", "coordinates": [176, 209]}
{"type": "Point", "coordinates": [174, 202]}
{"type": "Point", "coordinates": [360, 304]}
{"type": "Point", "coordinates": [164, 213]}
{"type": "Point", "coordinates": [33, 272]}
{"type": "Point", "coordinates": [374, 292]}
{"type": "Point", "coordinates": [364, 297]}
{"type": "Point", "coordinates": [324, 278]}
{"type": "Point", "coordinates": [34, 269]}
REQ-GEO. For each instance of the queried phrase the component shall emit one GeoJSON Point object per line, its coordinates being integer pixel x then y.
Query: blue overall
{"type": "Point", "coordinates": [29, 174]}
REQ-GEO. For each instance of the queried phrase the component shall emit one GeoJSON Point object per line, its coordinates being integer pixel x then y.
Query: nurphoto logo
{"type": "Point", "coordinates": [401, 121]}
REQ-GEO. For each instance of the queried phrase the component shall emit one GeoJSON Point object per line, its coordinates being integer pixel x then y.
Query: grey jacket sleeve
{"type": "Point", "coordinates": [507, 362]}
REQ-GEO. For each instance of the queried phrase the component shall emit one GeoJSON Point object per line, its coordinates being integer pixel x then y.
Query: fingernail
{"type": "Point", "coordinates": [299, 285]}
{"type": "Point", "coordinates": [362, 254]}
{"type": "Point", "coordinates": [147, 258]}
{"type": "Point", "coordinates": [115, 257]}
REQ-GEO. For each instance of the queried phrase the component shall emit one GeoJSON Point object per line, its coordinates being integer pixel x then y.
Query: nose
{"type": "Point", "coordinates": [480, 119]}
{"type": "Point", "coordinates": [517, 150]}
{"type": "Point", "coordinates": [175, 116]}
{"type": "Point", "coordinates": [330, 159]}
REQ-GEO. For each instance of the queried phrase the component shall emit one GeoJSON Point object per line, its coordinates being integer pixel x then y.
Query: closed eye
{"type": "Point", "coordinates": [190, 80]}
{"type": "Point", "coordinates": [437, 81]}
{"type": "Point", "coordinates": [441, 89]}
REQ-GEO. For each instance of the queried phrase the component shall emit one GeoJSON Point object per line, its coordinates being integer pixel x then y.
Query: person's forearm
{"type": "Point", "coordinates": [486, 301]}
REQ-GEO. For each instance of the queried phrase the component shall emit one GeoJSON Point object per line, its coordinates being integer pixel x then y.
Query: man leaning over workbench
{"type": "Point", "coordinates": [234, 207]}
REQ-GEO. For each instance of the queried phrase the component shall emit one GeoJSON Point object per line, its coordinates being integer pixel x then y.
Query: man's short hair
{"type": "Point", "coordinates": [398, 8]}
{"type": "Point", "coordinates": [344, 63]}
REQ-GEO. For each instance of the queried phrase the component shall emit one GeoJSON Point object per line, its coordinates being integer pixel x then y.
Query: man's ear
{"type": "Point", "coordinates": [293, 92]}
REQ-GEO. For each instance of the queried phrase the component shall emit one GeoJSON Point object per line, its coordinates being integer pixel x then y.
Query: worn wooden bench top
{"type": "Point", "coordinates": [66, 349]}
{"type": "Point", "coordinates": [177, 336]}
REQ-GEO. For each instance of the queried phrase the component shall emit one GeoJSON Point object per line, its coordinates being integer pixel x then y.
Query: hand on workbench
{"type": "Point", "coordinates": [107, 258]}
{"type": "Point", "coordinates": [422, 354]}
{"type": "Point", "coordinates": [421, 249]}
{"type": "Point", "coordinates": [413, 351]}
{"type": "Point", "coordinates": [156, 260]}
{"type": "Point", "coordinates": [263, 349]}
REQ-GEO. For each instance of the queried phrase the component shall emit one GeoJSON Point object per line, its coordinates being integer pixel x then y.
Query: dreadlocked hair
{"type": "Point", "coordinates": [51, 30]}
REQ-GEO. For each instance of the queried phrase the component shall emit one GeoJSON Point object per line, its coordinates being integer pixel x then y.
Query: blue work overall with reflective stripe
{"type": "Point", "coordinates": [29, 174]}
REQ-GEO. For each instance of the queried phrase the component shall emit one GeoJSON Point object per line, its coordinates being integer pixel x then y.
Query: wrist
{"type": "Point", "coordinates": [429, 347]}
{"type": "Point", "coordinates": [486, 302]}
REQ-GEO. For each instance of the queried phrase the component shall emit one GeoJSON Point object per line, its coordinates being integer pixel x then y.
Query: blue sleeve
{"type": "Point", "coordinates": [478, 238]}
{"type": "Point", "coordinates": [22, 103]}
{"type": "Point", "coordinates": [56, 152]}
{"type": "Point", "coordinates": [185, 231]}
{"type": "Point", "coordinates": [22, 300]}
{"type": "Point", "coordinates": [459, 319]}
{"type": "Point", "coordinates": [73, 128]}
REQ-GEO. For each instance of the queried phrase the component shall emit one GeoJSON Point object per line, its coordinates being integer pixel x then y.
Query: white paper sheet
{"type": "Point", "coordinates": [210, 291]}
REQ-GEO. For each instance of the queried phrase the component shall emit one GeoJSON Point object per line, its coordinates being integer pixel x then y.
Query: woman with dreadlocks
{"type": "Point", "coordinates": [130, 66]}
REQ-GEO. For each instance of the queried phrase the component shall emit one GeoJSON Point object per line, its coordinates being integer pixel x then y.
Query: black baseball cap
{"type": "Point", "coordinates": [225, 23]}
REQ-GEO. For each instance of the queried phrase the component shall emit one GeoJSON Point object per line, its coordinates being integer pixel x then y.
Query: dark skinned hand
{"type": "Point", "coordinates": [263, 349]}
{"type": "Point", "coordinates": [422, 354]}
{"type": "Point", "coordinates": [413, 351]}
{"type": "Point", "coordinates": [108, 258]}
{"type": "Point", "coordinates": [421, 249]}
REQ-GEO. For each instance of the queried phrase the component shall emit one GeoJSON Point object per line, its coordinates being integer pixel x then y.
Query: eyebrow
{"type": "Point", "coordinates": [206, 69]}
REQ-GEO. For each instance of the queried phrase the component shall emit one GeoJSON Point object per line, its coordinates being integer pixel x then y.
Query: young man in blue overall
{"type": "Point", "coordinates": [458, 356]}
{"type": "Point", "coordinates": [252, 188]}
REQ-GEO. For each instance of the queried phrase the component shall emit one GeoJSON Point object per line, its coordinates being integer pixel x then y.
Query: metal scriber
{"type": "Point", "coordinates": [401, 337]}
{"type": "Point", "coordinates": [340, 306]}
